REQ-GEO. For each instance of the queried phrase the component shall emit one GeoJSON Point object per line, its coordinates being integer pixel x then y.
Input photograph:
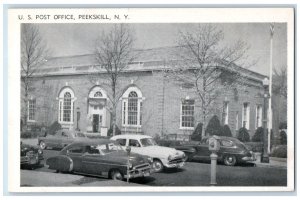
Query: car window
{"type": "Point", "coordinates": [122, 142]}
{"type": "Point", "coordinates": [226, 143]}
{"type": "Point", "coordinates": [78, 149]}
{"type": "Point", "coordinates": [148, 142]}
{"type": "Point", "coordinates": [134, 143]}
{"type": "Point", "coordinates": [79, 134]}
{"type": "Point", "coordinates": [204, 141]}
{"type": "Point", "coordinates": [92, 150]}
{"type": "Point", "coordinates": [108, 148]}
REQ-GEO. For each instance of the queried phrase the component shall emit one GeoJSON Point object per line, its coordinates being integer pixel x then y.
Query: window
{"type": "Point", "coordinates": [246, 115]}
{"type": "Point", "coordinates": [236, 120]}
{"type": "Point", "coordinates": [132, 107]}
{"type": "Point", "coordinates": [76, 149]}
{"type": "Point", "coordinates": [66, 106]}
{"type": "Point", "coordinates": [121, 142]}
{"type": "Point", "coordinates": [98, 94]}
{"type": "Point", "coordinates": [258, 122]}
{"type": "Point", "coordinates": [225, 113]}
{"type": "Point", "coordinates": [31, 110]}
{"type": "Point", "coordinates": [134, 143]}
{"type": "Point", "coordinates": [226, 143]}
{"type": "Point", "coordinates": [187, 114]}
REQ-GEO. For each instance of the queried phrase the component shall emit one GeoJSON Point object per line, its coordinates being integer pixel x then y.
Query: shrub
{"type": "Point", "coordinates": [283, 138]}
{"type": "Point", "coordinates": [55, 126]}
{"type": "Point", "coordinates": [110, 131]}
{"type": "Point", "coordinates": [283, 125]}
{"type": "Point", "coordinates": [197, 134]}
{"type": "Point", "coordinates": [214, 127]}
{"type": "Point", "coordinates": [29, 134]}
{"type": "Point", "coordinates": [243, 135]}
{"type": "Point", "coordinates": [258, 136]}
{"type": "Point", "coordinates": [279, 151]}
{"type": "Point", "coordinates": [226, 131]}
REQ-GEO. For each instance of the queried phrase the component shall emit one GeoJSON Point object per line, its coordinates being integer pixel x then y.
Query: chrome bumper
{"type": "Point", "coordinates": [140, 172]}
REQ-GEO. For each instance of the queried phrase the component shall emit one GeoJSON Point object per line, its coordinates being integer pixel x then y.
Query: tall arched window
{"type": "Point", "coordinates": [66, 106]}
{"type": "Point", "coordinates": [132, 107]}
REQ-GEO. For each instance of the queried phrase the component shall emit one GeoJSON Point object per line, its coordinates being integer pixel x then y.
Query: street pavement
{"type": "Point", "coordinates": [192, 174]}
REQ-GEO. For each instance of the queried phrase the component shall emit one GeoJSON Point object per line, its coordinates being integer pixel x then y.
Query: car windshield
{"type": "Point", "coordinates": [79, 134]}
{"type": "Point", "coordinates": [148, 142]}
{"type": "Point", "coordinates": [108, 148]}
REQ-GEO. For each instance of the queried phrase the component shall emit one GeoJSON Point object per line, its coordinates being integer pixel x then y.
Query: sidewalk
{"type": "Point", "coordinates": [273, 162]}
{"type": "Point", "coordinates": [41, 179]}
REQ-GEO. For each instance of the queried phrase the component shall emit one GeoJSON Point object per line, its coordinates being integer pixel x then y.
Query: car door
{"type": "Point", "coordinates": [202, 150]}
{"type": "Point", "coordinates": [76, 154]}
{"type": "Point", "coordinates": [93, 162]}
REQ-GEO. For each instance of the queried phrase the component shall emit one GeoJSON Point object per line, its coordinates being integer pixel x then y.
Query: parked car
{"type": "Point", "coordinates": [30, 155]}
{"type": "Point", "coordinates": [232, 151]}
{"type": "Point", "coordinates": [145, 145]}
{"type": "Point", "coordinates": [179, 145]}
{"type": "Point", "coordinates": [60, 139]}
{"type": "Point", "coordinates": [100, 157]}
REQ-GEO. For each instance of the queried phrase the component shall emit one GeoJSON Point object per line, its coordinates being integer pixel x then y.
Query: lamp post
{"type": "Point", "coordinates": [265, 156]}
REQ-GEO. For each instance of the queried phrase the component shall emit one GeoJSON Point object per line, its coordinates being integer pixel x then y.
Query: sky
{"type": "Point", "coordinates": [78, 39]}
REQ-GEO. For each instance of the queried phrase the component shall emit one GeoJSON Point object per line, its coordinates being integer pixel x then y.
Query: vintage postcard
{"type": "Point", "coordinates": [151, 99]}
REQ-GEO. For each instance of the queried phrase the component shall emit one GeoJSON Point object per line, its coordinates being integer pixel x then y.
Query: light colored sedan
{"type": "Point", "coordinates": [145, 145]}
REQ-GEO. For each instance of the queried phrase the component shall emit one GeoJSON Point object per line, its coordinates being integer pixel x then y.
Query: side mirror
{"type": "Point", "coordinates": [128, 149]}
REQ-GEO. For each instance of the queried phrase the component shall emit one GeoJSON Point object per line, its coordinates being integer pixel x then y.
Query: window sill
{"type": "Point", "coordinates": [187, 128]}
{"type": "Point", "coordinates": [132, 126]}
{"type": "Point", "coordinates": [31, 121]}
{"type": "Point", "coordinates": [66, 123]}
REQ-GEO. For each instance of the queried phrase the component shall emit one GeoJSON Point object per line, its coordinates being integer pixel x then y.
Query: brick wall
{"type": "Point", "coordinates": [161, 107]}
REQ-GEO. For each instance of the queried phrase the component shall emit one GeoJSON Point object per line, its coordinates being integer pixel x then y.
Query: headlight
{"type": "Point", "coordinates": [150, 160]}
{"type": "Point", "coordinates": [40, 151]}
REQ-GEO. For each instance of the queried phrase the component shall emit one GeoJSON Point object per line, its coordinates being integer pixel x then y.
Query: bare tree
{"type": "Point", "coordinates": [114, 52]}
{"type": "Point", "coordinates": [33, 53]}
{"type": "Point", "coordinates": [279, 86]}
{"type": "Point", "coordinates": [206, 67]}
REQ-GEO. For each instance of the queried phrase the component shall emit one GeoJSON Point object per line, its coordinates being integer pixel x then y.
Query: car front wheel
{"type": "Point", "coordinates": [157, 165]}
{"type": "Point", "coordinates": [116, 175]}
{"type": "Point", "coordinates": [229, 160]}
{"type": "Point", "coordinates": [42, 145]}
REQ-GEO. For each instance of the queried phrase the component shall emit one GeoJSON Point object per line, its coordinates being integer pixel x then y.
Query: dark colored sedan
{"type": "Point", "coordinates": [30, 155]}
{"type": "Point", "coordinates": [232, 151]}
{"type": "Point", "coordinates": [100, 157]}
{"type": "Point", "coordinates": [60, 139]}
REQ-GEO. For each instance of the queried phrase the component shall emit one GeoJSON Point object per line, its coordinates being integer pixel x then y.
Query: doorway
{"type": "Point", "coordinates": [97, 123]}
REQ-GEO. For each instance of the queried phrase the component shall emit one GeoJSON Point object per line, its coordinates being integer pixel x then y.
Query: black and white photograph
{"type": "Point", "coordinates": [121, 104]}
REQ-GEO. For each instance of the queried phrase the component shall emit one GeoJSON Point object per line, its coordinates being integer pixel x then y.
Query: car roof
{"type": "Point", "coordinates": [131, 136]}
{"type": "Point", "coordinates": [91, 142]}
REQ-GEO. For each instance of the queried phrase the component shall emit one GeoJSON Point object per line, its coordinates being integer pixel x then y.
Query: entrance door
{"type": "Point", "coordinates": [95, 123]}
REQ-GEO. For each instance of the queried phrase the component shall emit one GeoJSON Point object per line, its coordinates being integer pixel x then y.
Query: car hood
{"type": "Point", "coordinates": [158, 151]}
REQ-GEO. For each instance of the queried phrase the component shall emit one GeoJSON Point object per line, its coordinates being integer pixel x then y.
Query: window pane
{"type": "Point", "coordinates": [187, 117]}
{"type": "Point", "coordinates": [67, 107]}
{"type": "Point", "coordinates": [132, 108]}
{"type": "Point", "coordinates": [31, 109]}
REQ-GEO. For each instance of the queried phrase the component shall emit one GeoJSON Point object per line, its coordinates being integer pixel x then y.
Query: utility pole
{"type": "Point", "coordinates": [270, 88]}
